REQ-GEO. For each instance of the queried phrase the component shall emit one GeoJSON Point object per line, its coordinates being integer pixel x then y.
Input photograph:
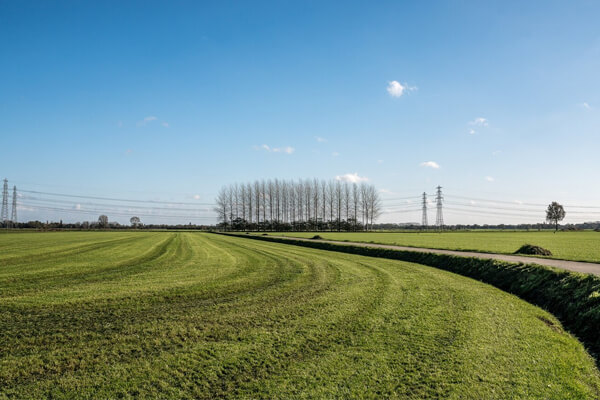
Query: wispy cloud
{"type": "Point", "coordinates": [320, 139]}
{"type": "Point", "coordinates": [165, 124]}
{"type": "Point", "coordinates": [147, 120]}
{"type": "Point", "coordinates": [496, 152]}
{"type": "Point", "coordinates": [472, 131]}
{"type": "Point", "coordinates": [396, 89]}
{"type": "Point", "coordinates": [586, 105]}
{"type": "Point", "coordinates": [197, 197]}
{"type": "Point", "coordinates": [335, 154]}
{"type": "Point", "coordinates": [352, 178]}
{"type": "Point", "coordinates": [379, 161]}
{"type": "Point", "coordinates": [489, 179]}
{"type": "Point", "coordinates": [430, 164]}
{"type": "Point", "coordinates": [479, 122]}
{"type": "Point", "coordinates": [267, 148]}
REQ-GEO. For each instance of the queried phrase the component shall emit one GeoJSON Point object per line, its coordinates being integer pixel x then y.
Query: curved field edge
{"type": "Point", "coordinates": [221, 317]}
{"type": "Point", "coordinates": [569, 246]}
{"type": "Point", "coordinates": [572, 297]}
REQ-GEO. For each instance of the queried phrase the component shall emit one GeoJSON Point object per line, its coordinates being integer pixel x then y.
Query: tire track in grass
{"type": "Point", "coordinates": [71, 274]}
{"type": "Point", "coordinates": [16, 262]}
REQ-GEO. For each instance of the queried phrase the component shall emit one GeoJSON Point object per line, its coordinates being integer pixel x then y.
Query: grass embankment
{"type": "Point", "coordinates": [175, 315]}
{"type": "Point", "coordinates": [576, 246]}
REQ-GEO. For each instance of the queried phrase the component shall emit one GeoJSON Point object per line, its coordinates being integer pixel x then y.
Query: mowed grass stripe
{"type": "Point", "coordinates": [226, 317]}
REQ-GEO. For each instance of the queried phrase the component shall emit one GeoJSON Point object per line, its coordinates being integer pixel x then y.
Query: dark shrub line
{"type": "Point", "coordinates": [572, 297]}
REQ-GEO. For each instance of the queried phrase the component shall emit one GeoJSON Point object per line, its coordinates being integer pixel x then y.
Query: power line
{"type": "Point", "coordinates": [518, 209]}
{"type": "Point", "coordinates": [116, 199]}
{"type": "Point", "coordinates": [69, 202]}
{"type": "Point", "coordinates": [516, 203]}
{"type": "Point", "coordinates": [96, 212]}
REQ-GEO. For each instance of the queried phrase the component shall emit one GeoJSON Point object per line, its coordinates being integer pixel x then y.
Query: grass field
{"type": "Point", "coordinates": [576, 246]}
{"type": "Point", "coordinates": [192, 315]}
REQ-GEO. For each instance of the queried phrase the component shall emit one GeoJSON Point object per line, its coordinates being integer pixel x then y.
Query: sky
{"type": "Point", "coordinates": [498, 102]}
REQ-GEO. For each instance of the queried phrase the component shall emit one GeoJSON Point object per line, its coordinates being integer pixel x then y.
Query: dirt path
{"type": "Point", "coordinates": [584, 267]}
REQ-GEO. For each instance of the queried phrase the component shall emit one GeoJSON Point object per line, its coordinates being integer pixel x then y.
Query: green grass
{"type": "Point", "coordinates": [576, 246]}
{"type": "Point", "coordinates": [192, 315]}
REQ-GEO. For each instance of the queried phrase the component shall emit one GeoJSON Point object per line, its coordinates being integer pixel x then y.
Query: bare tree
{"type": "Point", "coordinates": [257, 202]}
{"type": "Point", "coordinates": [305, 204]}
{"type": "Point", "coordinates": [346, 201]}
{"type": "Point", "coordinates": [331, 200]}
{"type": "Point", "coordinates": [355, 202]}
{"type": "Point", "coordinates": [249, 201]}
{"type": "Point", "coordinates": [103, 221]}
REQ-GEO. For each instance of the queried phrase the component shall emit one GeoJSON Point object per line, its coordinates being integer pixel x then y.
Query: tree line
{"type": "Point", "coordinates": [310, 204]}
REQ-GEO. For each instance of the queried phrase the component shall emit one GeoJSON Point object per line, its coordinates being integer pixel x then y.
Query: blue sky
{"type": "Point", "coordinates": [169, 100]}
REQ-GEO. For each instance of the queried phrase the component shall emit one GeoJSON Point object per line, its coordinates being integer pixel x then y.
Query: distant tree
{"type": "Point", "coordinates": [555, 213]}
{"type": "Point", "coordinates": [103, 221]}
{"type": "Point", "coordinates": [135, 221]}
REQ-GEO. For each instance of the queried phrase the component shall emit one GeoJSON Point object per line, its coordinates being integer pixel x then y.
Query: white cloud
{"type": "Point", "coordinates": [379, 161]}
{"type": "Point", "coordinates": [396, 89]}
{"type": "Point", "coordinates": [146, 120]}
{"type": "Point", "coordinates": [267, 148]}
{"type": "Point", "coordinates": [479, 122]}
{"type": "Point", "coordinates": [287, 150]}
{"type": "Point", "coordinates": [78, 206]}
{"type": "Point", "coordinates": [472, 131]}
{"type": "Point", "coordinates": [489, 179]}
{"type": "Point", "coordinates": [165, 124]}
{"type": "Point", "coordinates": [430, 164]}
{"type": "Point", "coordinates": [197, 197]}
{"type": "Point", "coordinates": [586, 105]}
{"type": "Point", "coordinates": [352, 178]}
{"type": "Point", "coordinates": [320, 139]}
{"type": "Point", "coordinates": [496, 152]}
{"type": "Point", "coordinates": [335, 154]}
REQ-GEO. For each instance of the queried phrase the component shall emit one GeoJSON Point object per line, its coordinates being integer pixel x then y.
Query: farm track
{"type": "Point", "coordinates": [576, 266]}
{"type": "Point", "coordinates": [191, 315]}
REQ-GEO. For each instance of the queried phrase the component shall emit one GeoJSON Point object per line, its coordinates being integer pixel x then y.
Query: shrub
{"type": "Point", "coordinates": [317, 237]}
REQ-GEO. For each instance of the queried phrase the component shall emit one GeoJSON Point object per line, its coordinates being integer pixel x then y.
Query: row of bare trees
{"type": "Point", "coordinates": [309, 204]}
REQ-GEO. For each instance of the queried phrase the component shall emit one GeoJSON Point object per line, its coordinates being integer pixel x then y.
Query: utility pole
{"type": "Point", "coordinates": [13, 217]}
{"type": "Point", "coordinates": [439, 221]}
{"type": "Point", "coordinates": [4, 214]}
{"type": "Point", "coordinates": [424, 218]}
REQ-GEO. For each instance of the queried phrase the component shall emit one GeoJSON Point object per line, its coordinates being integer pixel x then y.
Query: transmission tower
{"type": "Point", "coordinates": [4, 214]}
{"type": "Point", "coordinates": [424, 218]}
{"type": "Point", "coordinates": [13, 217]}
{"type": "Point", "coordinates": [439, 220]}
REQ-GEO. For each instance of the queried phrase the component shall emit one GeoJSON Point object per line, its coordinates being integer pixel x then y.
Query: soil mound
{"type": "Point", "coordinates": [533, 250]}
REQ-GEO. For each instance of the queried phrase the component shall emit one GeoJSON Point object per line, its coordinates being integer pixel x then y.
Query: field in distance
{"type": "Point", "coordinates": [183, 314]}
{"type": "Point", "coordinates": [576, 246]}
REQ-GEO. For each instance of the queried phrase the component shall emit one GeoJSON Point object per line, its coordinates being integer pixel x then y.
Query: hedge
{"type": "Point", "coordinates": [574, 298]}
